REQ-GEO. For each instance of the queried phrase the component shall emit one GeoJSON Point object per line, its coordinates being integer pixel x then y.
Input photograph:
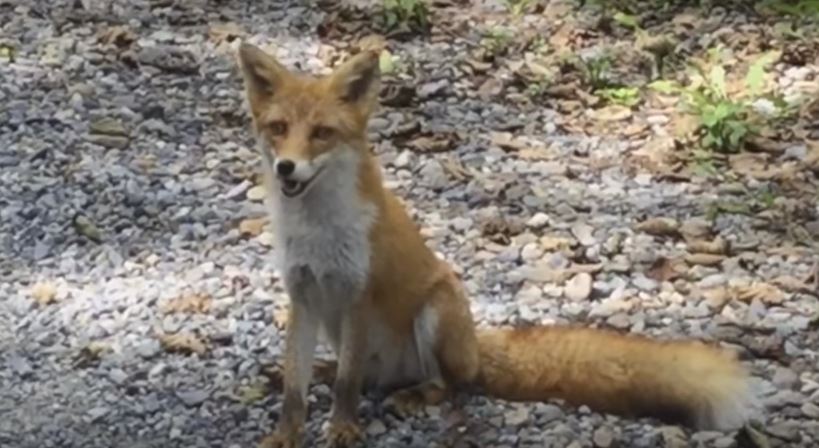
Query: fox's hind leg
{"type": "Point", "coordinates": [451, 337]}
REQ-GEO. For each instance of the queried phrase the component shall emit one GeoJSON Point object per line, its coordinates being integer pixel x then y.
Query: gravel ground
{"type": "Point", "coordinates": [128, 212]}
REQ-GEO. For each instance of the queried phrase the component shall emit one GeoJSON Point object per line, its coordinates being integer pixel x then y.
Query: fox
{"type": "Point", "coordinates": [358, 271]}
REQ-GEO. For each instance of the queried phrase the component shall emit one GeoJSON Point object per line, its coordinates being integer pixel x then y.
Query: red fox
{"type": "Point", "coordinates": [357, 269]}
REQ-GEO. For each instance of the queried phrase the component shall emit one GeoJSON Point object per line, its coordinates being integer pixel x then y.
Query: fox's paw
{"type": "Point", "coordinates": [343, 435]}
{"type": "Point", "coordinates": [406, 402]}
{"type": "Point", "coordinates": [282, 438]}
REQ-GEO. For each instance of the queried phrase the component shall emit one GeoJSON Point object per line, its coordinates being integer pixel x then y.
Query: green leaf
{"type": "Point", "coordinates": [626, 20]}
{"type": "Point", "coordinates": [717, 80]}
{"type": "Point", "coordinates": [386, 62]}
{"type": "Point", "coordinates": [664, 86]}
{"type": "Point", "coordinates": [755, 78]}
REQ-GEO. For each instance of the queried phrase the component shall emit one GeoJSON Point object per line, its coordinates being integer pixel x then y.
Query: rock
{"type": "Point", "coordinates": [148, 348]}
{"type": "Point", "coordinates": [376, 428]}
{"type": "Point", "coordinates": [538, 221]}
{"type": "Point", "coordinates": [109, 141]}
{"type": "Point", "coordinates": [194, 397]}
{"type": "Point", "coordinates": [256, 193]}
{"type": "Point", "coordinates": [785, 378]}
{"type": "Point", "coordinates": [516, 416]}
{"type": "Point", "coordinates": [20, 366]}
{"type": "Point", "coordinates": [118, 376]}
{"type": "Point", "coordinates": [810, 410]}
{"type": "Point", "coordinates": [603, 437]}
{"type": "Point", "coordinates": [579, 287]}
{"type": "Point", "coordinates": [584, 234]}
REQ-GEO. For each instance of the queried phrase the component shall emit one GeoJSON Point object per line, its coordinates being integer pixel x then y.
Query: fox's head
{"type": "Point", "coordinates": [304, 122]}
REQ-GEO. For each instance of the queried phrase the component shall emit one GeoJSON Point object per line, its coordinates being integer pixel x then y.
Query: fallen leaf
{"type": "Point", "coordinates": [254, 392]}
{"type": "Point", "coordinates": [120, 36]}
{"type": "Point", "coordinates": [44, 293]}
{"type": "Point", "coordinates": [252, 227]}
{"type": "Point", "coordinates": [189, 303]}
{"type": "Point", "coordinates": [614, 112]}
{"type": "Point", "coordinates": [718, 246]}
{"type": "Point", "coordinates": [507, 142]}
{"type": "Point", "coordinates": [792, 284]}
{"type": "Point", "coordinates": [372, 42]}
{"type": "Point", "coordinates": [455, 169]}
{"type": "Point", "coordinates": [186, 343]}
{"type": "Point", "coordinates": [432, 143]}
{"type": "Point", "coordinates": [664, 270]}
{"type": "Point", "coordinates": [553, 243]}
{"type": "Point", "coordinates": [90, 354]}
{"type": "Point", "coordinates": [659, 226]}
{"type": "Point", "coordinates": [764, 292]}
{"type": "Point", "coordinates": [225, 32]}
{"type": "Point", "coordinates": [704, 259]}
{"type": "Point", "coordinates": [280, 317]}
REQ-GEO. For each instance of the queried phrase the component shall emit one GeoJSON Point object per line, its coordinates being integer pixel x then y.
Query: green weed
{"type": "Point", "coordinates": [405, 14]}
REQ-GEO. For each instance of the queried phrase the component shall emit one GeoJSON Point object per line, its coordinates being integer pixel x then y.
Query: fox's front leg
{"type": "Point", "coordinates": [344, 430]}
{"type": "Point", "coordinates": [300, 345]}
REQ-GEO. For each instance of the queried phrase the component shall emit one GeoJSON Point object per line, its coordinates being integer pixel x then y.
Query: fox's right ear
{"type": "Point", "coordinates": [263, 75]}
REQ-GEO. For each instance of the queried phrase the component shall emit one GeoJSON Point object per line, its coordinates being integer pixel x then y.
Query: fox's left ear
{"type": "Point", "coordinates": [358, 80]}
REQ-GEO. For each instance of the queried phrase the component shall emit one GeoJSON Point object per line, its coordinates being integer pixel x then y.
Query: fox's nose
{"type": "Point", "coordinates": [285, 167]}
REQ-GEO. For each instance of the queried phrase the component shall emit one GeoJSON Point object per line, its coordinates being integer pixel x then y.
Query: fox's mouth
{"type": "Point", "coordinates": [292, 188]}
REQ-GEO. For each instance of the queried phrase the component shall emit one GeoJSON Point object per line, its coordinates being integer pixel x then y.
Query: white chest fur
{"type": "Point", "coordinates": [323, 237]}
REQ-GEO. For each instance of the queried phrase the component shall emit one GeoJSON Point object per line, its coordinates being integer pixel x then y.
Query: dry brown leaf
{"type": "Point", "coordinates": [44, 293]}
{"type": "Point", "coordinates": [664, 270]}
{"type": "Point", "coordinates": [764, 292]}
{"type": "Point", "coordinates": [506, 141]}
{"type": "Point", "coordinates": [717, 297]}
{"type": "Point", "coordinates": [431, 144]}
{"type": "Point", "coordinates": [536, 154]}
{"type": "Point", "coordinates": [280, 317]}
{"type": "Point", "coordinates": [225, 32]}
{"type": "Point", "coordinates": [455, 169]}
{"type": "Point", "coordinates": [119, 35]}
{"type": "Point", "coordinates": [90, 354]}
{"type": "Point", "coordinates": [189, 303]}
{"type": "Point", "coordinates": [372, 42]}
{"type": "Point", "coordinates": [186, 343]}
{"type": "Point", "coordinates": [718, 246]}
{"type": "Point", "coordinates": [659, 226]}
{"type": "Point", "coordinates": [614, 112]}
{"type": "Point", "coordinates": [704, 259]}
{"type": "Point", "coordinates": [252, 227]}
{"type": "Point", "coordinates": [792, 284]}
{"type": "Point", "coordinates": [553, 243]}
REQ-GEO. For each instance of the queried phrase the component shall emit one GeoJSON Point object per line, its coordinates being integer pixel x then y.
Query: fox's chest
{"type": "Point", "coordinates": [324, 248]}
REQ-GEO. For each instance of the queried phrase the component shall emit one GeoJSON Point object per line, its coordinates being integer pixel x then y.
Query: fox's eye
{"type": "Point", "coordinates": [278, 128]}
{"type": "Point", "coordinates": [322, 132]}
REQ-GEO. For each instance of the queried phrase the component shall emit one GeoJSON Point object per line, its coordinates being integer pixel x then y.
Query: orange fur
{"type": "Point", "coordinates": [684, 381]}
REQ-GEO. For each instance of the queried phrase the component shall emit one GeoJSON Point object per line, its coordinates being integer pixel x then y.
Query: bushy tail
{"type": "Point", "coordinates": [681, 382]}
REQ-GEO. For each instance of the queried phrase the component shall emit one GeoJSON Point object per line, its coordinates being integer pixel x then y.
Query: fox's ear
{"type": "Point", "coordinates": [263, 75]}
{"type": "Point", "coordinates": [358, 80]}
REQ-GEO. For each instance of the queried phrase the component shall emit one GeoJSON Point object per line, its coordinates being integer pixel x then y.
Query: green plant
{"type": "Point", "coordinates": [496, 41]}
{"type": "Point", "coordinates": [796, 9]}
{"type": "Point", "coordinates": [726, 119]}
{"type": "Point", "coordinates": [518, 7]}
{"type": "Point", "coordinates": [595, 70]}
{"type": "Point", "coordinates": [624, 96]}
{"type": "Point", "coordinates": [407, 14]}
